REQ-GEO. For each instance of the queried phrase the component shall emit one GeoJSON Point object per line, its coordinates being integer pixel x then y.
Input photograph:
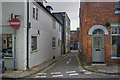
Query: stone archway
{"type": "Point", "coordinates": [98, 27]}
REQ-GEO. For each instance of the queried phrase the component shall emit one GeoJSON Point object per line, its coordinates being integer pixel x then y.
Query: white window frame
{"type": "Point", "coordinates": [53, 41]}
{"type": "Point", "coordinates": [118, 34]}
{"type": "Point", "coordinates": [54, 24]}
{"type": "Point", "coordinates": [66, 23]}
{"type": "Point", "coordinates": [12, 47]}
{"type": "Point", "coordinates": [33, 12]}
{"type": "Point", "coordinates": [36, 43]}
{"type": "Point", "coordinates": [36, 14]}
{"type": "Point", "coordinates": [59, 42]}
{"type": "Point", "coordinates": [117, 6]}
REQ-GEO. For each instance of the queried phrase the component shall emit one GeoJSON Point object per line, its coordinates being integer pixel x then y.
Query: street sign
{"type": "Point", "coordinates": [15, 23]}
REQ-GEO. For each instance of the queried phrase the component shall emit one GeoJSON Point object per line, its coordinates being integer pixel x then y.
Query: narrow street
{"type": "Point", "coordinates": [68, 68]}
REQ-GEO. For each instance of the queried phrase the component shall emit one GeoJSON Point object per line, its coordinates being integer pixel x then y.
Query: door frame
{"type": "Point", "coordinates": [103, 51]}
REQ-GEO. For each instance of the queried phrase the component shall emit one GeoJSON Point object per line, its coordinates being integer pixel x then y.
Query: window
{"type": "Point", "coordinates": [58, 42]}
{"type": "Point", "coordinates": [72, 33]}
{"type": "Point", "coordinates": [54, 24]}
{"type": "Point", "coordinates": [53, 42]}
{"type": "Point", "coordinates": [98, 31]}
{"type": "Point", "coordinates": [115, 32]}
{"type": "Point", "coordinates": [33, 12]}
{"type": "Point", "coordinates": [59, 28]}
{"type": "Point", "coordinates": [36, 13]}
{"type": "Point", "coordinates": [34, 43]}
{"type": "Point", "coordinates": [7, 45]}
{"type": "Point", "coordinates": [117, 6]}
{"type": "Point", "coordinates": [66, 23]}
{"type": "Point", "coordinates": [69, 36]}
{"type": "Point", "coordinates": [71, 39]}
{"type": "Point", "coordinates": [66, 36]}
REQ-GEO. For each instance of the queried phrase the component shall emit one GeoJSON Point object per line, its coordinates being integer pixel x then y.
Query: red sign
{"type": "Point", "coordinates": [15, 23]}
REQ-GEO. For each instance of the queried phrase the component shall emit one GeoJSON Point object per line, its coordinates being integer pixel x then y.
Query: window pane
{"type": "Point", "coordinates": [119, 30]}
{"type": "Point", "coordinates": [34, 43]}
{"type": "Point", "coordinates": [114, 30]}
{"type": "Point", "coordinates": [115, 46]}
{"type": "Point", "coordinates": [98, 31]}
{"type": "Point", "coordinates": [58, 42]}
{"type": "Point", "coordinates": [36, 13]}
{"type": "Point", "coordinates": [7, 45]}
{"type": "Point", "coordinates": [53, 42]}
{"type": "Point", "coordinates": [54, 24]}
{"type": "Point", "coordinates": [33, 12]}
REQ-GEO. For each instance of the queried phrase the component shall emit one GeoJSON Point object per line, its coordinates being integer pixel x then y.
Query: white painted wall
{"type": "Point", "coordinates": [16, 8]}
{"type": "Point", "coordinates": [0, 25]}
{"type": "Point", "coordinates": [45, 26]}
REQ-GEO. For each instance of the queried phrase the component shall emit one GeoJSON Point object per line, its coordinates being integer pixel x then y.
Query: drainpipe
{"type": "Point", "coordinates": [63, 32]}
{"type": "Point", "coordinates": [61, 38]}
{"type": "Point", "coordinates": [27, 34]}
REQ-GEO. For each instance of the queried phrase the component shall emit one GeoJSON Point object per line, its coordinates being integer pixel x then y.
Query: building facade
{"type": "Point", "coordinates": [74, 39]}
{"type": "Point", "coordinates": [63, 17]}
{"type": "Point", "coordinates": [100, 32]}
{"type": "Point", "coordinates": [38, 39]}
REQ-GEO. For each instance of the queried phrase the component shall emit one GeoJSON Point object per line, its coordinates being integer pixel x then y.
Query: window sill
{"type": "Point", "coordinates": [53, 47]}
{"type": "Point", "coordinates": [34, 51]}
{"type": "Point", "coordinates": [117, 12]}
{"type": "Point", "coordinates": [115, 57]}
{"type": "Point", "coordinates": [8, 57]}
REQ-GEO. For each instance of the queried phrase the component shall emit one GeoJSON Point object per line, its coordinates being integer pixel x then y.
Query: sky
{"type": "Point", "coordinates": [70, 7]}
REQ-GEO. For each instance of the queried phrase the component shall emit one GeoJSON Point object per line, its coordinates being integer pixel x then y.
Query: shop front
{"type": "Point", "coordinates": [7, 47]}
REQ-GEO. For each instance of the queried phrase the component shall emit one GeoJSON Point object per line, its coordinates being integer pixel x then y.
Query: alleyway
{"type": "Point", "coordinates": [68, 68]}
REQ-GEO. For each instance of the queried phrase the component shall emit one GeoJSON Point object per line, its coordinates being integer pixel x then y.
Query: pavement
{"type": "Point", "coordinates": [31, 71]}
{"type": "Point", "coordinates": [100, 68]}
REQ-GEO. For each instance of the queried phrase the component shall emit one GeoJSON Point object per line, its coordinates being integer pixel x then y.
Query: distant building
{"type": "Point", "coordinates": [37, 40]}
{"type": "Point", "coordinates": [63, 17]}
{"type": "Point", "coordinates": [100, 32]}
{"type": "Point", "coordinates": [74, 39]}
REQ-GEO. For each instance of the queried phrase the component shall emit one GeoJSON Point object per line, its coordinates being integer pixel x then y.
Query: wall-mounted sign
{"type": "Point", "coordinates": [15, 23]}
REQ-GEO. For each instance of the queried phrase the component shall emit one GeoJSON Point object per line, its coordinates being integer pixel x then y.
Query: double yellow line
{"type": "Point", "coordinates": [79, 65]}
{"type": "Point", "coordinates": [49, 67]}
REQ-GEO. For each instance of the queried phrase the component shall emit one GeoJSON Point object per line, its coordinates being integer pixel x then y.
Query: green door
{"type": "Point", "coordinates": [98, 48]}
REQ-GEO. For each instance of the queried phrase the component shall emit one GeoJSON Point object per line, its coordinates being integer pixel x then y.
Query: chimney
{"type": "Point", "coordinates": [49, 8]}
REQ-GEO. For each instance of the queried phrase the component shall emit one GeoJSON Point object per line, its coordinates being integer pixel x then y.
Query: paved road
{"type": "Point", "coordinates": [68, 67]}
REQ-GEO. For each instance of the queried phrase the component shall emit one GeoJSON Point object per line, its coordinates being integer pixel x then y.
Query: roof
{"type": "Point", "coordinates": [48, 11]}
{"type": "Point", "coordinates": [62, 13]}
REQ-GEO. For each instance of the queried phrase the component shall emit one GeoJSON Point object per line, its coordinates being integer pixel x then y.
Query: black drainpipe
{"type": "Point", "coordinates": [27, 34]}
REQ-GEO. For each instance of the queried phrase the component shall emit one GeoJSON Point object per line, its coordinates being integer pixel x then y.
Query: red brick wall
{"type": "Point", "coordinates": [90, 15]}
{"type": "Point", "coordinates": [75, 38]}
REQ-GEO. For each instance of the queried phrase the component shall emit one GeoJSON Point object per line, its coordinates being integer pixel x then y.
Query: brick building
{"type": "Point", "coordinates": [100, 32]}
{"type": "Point", "coordinates": [74, 39]}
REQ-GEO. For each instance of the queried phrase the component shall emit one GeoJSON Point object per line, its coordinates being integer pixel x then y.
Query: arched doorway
{"type": "Point", "coordinates": [98, 46]}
